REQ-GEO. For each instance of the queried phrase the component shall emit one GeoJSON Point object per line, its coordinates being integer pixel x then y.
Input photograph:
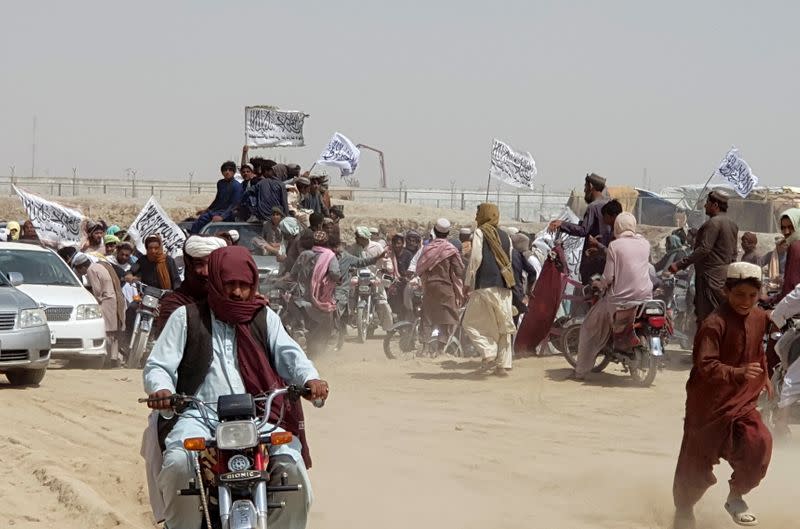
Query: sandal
{"type": "Point", "coordinates": [740, 513]}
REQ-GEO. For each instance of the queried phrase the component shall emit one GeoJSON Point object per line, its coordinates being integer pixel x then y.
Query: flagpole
{"type": "Point", "coordinates": [488, 183]}
{"type": "Point", "coordinates": [704, 188]}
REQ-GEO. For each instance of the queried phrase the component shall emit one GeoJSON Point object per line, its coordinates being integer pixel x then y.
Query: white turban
{"type": "Point", "coordinates": [79, 259]}
{"type": "Point", "coordinates": [200, 247]}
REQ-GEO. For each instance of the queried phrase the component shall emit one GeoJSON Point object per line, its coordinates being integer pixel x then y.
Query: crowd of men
{"type": "Point", "coordinates": [478, 278]}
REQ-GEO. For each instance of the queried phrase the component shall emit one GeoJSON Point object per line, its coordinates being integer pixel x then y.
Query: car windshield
{"type": "Point", "coordinates": [37, 268]}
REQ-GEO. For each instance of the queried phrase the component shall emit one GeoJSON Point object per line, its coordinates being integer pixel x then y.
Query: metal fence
{"type": "Point", "coordinates": [761, 215]}
{"type": "Point", "coordinates": [525, 206]}
{"type": "Point", "coordinates": [118, 188]}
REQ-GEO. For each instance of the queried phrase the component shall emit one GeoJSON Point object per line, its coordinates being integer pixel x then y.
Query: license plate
{"type": "Point", "coordinates": [145, 325]}
{"type": "Point", "coordinates": [363, 289]}
{"type": "Point", "coordinates": [52, 338]}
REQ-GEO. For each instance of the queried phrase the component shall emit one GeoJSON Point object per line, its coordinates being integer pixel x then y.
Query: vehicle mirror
{"type": "Point", "coordinates": [15, 278]}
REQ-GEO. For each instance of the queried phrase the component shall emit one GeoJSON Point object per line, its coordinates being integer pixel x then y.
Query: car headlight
{"type": "Point", "coordinates": [32, 318]}
{"type": "Point", "coordinates": [88, 312]}
{"type": "Point", "coordinates": [236, 435]}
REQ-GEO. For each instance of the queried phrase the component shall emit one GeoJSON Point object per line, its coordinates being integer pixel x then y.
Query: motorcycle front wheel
{"type": "Point", "coordinates": [401, 343]}
{"type": "Point", "coordinates": [362, 323]}
{"type": "Point", "coordinates": [138, 347]}
{"type": "Point", "coordinates": [644, 366]}
{"type": "Point", "coordinates": [569, 345]}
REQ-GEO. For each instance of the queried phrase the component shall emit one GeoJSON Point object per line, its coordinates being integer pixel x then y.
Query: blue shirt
{"type": "Point", "coordinates": [229, 195]}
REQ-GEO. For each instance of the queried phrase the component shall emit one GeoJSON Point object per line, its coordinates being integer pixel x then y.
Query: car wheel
{"type": "Point", "coordinates": [28, 377]}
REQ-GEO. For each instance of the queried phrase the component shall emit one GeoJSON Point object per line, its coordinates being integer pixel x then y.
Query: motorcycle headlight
{"type": "Point", "coordinates": [236, 435]}
{"type": "Point", "coordinates": [88, 312]}
{"type": "Point", "coordinates": [32, 318]}
{"type": "Point", "coordinates": [150, 302]}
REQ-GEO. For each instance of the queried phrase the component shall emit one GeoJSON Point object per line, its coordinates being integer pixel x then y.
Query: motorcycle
{"type": "Point", "coordinates": [404, 339]}
{"type": "Point", "coordinates": [787, 347]}
{"type": "Point", "coordinates": [366, 285]}
{"type": "Point", "coordinates": [141, 342]}
{"type": "Point", "coordinates": [635, 343]}
{"type": "Point", "coordinates": [292, 316]}
{"type": "Point", "coordinates": [681, 323]}
{"type": "Point", "coordinates": [232, 467]}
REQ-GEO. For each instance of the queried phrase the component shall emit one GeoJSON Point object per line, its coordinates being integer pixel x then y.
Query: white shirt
{"type": "Point", "coordinates": [788, 307]}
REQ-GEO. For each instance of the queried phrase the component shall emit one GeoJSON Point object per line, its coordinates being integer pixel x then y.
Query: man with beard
{"type": "Point", "coordinates": [95, 243]}
{"type": "Point", "coordinates": [715, 247]}
{"type": "Point", "coordinates": [157, 269]}
{"type": "Point", "coordinates": [231, 344]}
{"type": "Point", "coordinates": [592, 226]}
{"type": "Point", "coordinates": [121, 260]}
{"type": "Point", "coordinates": [194, 288]}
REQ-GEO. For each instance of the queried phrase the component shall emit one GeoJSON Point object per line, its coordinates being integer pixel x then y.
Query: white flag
{"type": "Point", "coordinates": [340, 153]}
{"type": "Point", "coordinates": [735, 170]}
{"type": "Point", "coordinates": [266, 127]}
{"type": "Point", "coordinates": [573, 246]}
{"type": "Point", "coordinates": [515, 168]}
{"type": "Point", "coordinates": [54, 223]}
{"type": "Point", "coordinates": [153, 220]}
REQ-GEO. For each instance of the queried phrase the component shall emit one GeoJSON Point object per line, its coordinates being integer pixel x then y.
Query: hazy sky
{"type": "Point", "coordinates": [605, 86]}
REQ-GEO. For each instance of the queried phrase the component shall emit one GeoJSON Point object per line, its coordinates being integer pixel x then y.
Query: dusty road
{"type": "Point", "coordinates": [400, 444]}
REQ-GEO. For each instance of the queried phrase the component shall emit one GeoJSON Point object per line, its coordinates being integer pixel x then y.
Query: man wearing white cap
{"type": "Point", "coordinates": [194, 287]}
{"type": "Point", "coordinates": [107, 290]}
{"type": "Point", "coordinates": [369, 249]}
{"type": "Point", "coordinates": [441, 270]}
{"type": "Point", "coordinates": [721, 420]}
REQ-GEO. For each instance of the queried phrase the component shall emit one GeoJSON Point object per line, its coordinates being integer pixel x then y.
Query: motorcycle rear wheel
{"type": "Point", "coordinates": [569, 346]}
{"type": "Point", "coordinates": [644, 367]}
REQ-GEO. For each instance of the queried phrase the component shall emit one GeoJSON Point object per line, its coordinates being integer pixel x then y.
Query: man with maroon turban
{"type": "Point", "coordinates": [232, 344]}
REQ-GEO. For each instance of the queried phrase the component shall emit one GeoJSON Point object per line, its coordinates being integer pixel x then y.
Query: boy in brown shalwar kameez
{"type": "Point", "coordinates": [721, 421]}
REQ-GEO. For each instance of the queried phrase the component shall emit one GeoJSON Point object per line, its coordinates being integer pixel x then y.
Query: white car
{"type": "Point", "coordinates": [77, 329]}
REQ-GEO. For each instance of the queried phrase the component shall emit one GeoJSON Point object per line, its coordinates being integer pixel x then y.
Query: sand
{"type": "Point", "coordinates": [399, 444]}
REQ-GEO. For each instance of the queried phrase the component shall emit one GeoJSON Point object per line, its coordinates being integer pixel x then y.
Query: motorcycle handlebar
{"type": "Point", "coordinates": [293, 392]}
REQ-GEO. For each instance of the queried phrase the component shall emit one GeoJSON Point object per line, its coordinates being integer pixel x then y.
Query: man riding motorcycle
{"type": "Point", "coordinates": [232, 344]}
{"type": "Point", "coordinates": [790, 389]}
{"type": "Point", "coordinates": [627, 279]}
{"type": "Point", "coordinates": [370, 248]}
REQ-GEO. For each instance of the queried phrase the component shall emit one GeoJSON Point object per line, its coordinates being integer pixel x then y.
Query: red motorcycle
{"type": "Point", "coordinates": [635, 342]}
